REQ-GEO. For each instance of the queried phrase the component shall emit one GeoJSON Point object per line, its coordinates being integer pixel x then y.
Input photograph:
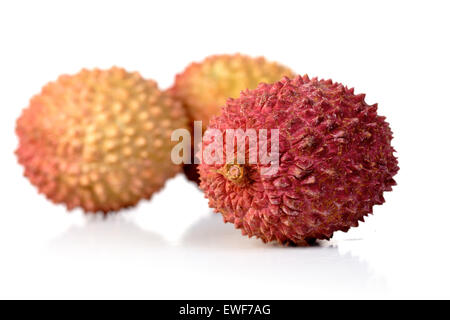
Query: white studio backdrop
{"type": "Point", "coordinates": [174, 246]}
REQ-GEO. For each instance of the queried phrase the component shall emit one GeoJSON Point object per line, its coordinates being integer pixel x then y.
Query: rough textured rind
{"type": "Point", "coordinates": [336, 160]}
{"type": "Point", "coordinates": [204, 87]}
{"type": "Point", "coordinates": [99, 140]}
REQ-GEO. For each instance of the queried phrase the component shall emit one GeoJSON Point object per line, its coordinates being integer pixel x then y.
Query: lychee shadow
{"type": "Point", "coordinates": [110, 236]}
{"type": "Point", "coordinates": [320, 266]}
{"type": "Point", "coordinates": [212, 232]}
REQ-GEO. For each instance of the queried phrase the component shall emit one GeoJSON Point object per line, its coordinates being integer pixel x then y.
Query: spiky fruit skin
{"type": "Point", "coordinates": [204, 87]}
{"type": "Point", "coordinates": [336, 160]}
{"type": "Point", "coordinates": [99, 139]}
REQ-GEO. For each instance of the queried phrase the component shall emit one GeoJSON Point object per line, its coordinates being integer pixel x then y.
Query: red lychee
{"type": "Point", "coordinates": [335, 162]}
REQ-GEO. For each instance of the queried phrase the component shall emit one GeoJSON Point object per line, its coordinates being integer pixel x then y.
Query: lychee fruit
{"type": "Point", "coordinates": [204, 87]}
{"type": "Point", "coordinates": [335, 161]}
{"type": "Point", "coordinates": [99, 139]}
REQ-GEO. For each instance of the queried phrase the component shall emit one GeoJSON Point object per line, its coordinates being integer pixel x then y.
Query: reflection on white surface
{"type": "Point", "coordinates": [107, 237]}
{"type": "Point", "coordinates": [180, 249]}
{"type": "Point", "coordinates": [211, 260]}
{"type": "Point", "coordinates": [318, 268]}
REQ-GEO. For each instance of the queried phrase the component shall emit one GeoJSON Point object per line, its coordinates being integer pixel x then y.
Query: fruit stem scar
{"type": "Point", "coordinates": [233, 172]}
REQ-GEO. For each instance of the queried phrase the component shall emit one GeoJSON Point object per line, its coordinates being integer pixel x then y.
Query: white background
{"type": "Point", "coordinates": [173, 246]}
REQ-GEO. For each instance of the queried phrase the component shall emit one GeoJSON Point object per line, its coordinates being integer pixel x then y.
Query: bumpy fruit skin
{"type": "Point", "coordinates": [336, 160]}
{"type": "Point", "coordinates": [204, 87]}
{"type": "Point", "coordinates": [99, 140]}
